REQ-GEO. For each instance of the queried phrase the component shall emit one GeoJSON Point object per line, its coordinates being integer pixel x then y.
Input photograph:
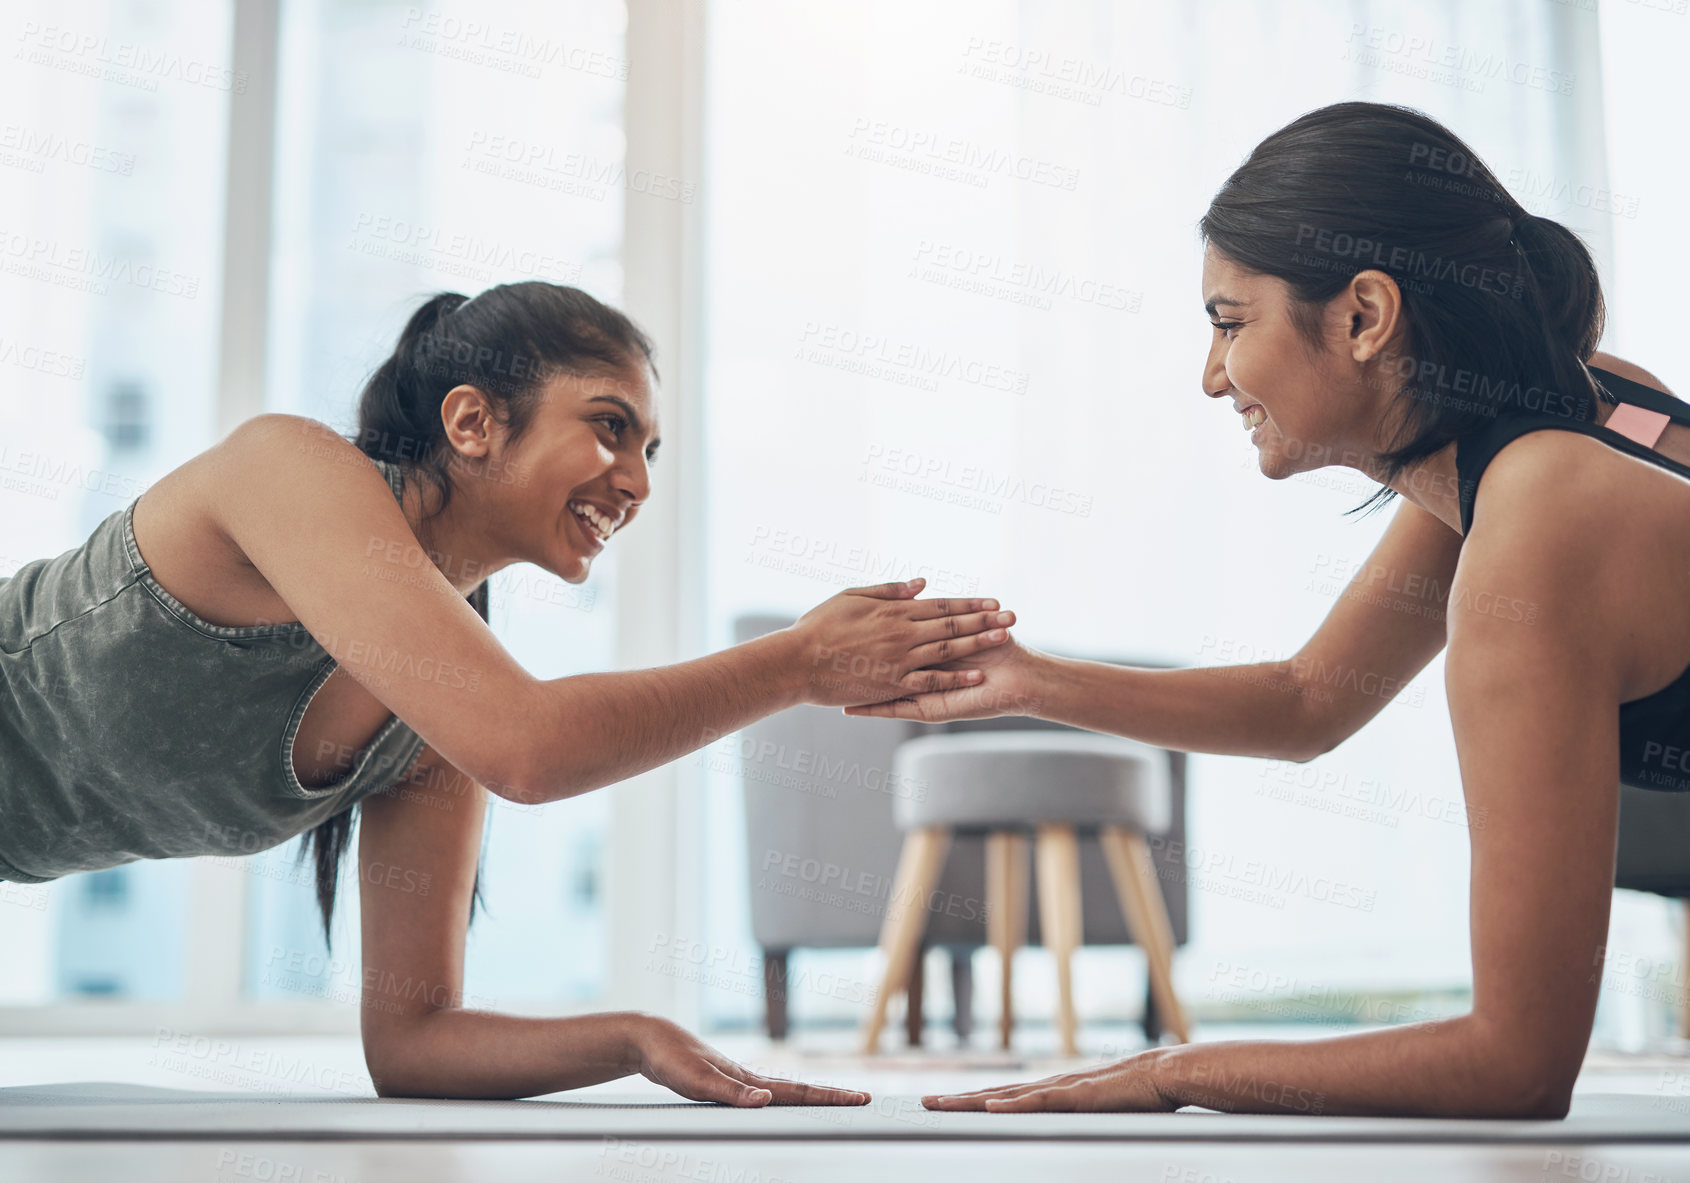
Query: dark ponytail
{"type": "Point", "coordinates": [1503, 308]}
{"type": "Point", "coordinates": [507, 342]}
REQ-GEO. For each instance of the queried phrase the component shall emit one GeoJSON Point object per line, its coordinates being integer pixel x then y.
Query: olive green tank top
{"type": "Point", "coordinates": [131, 728]}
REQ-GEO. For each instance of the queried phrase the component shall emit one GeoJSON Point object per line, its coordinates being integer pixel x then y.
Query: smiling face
{"type": "Point", "coordinates": [577, 476]}
{"type": "Point", "coordinates": [1306, 406]}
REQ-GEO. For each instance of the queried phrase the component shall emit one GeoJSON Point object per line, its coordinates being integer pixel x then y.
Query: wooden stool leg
{"type": "Point", "coordinates": [1006, 916]}
{"type": "Point", "coordinates": [919, 865]}
{"type": "Point", "coordinates": [1146, 912]}
{"type": "Point", "coordinates": [1059, 915]}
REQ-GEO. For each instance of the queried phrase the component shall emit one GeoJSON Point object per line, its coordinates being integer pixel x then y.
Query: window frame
{"type": "Point", "coordinates": [651, 855]}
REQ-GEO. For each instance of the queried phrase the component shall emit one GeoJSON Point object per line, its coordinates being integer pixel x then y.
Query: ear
{"type": "Point", "coordinates": [1372, 306]}
{"type": "Point", "coordinates": [468, 419]}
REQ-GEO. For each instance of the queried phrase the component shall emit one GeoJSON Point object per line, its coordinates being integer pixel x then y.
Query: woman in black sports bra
{"type": "Point", "coordinates": [1380, 302]}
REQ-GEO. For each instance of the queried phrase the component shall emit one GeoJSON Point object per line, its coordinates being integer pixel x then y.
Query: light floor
{"type": "Point", "coordinates": [319, 1065]}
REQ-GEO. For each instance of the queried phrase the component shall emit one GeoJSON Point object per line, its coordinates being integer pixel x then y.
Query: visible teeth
{"type": "Point", "coordinates": [601, 525]}
{"type": "Point", "coordinates": [1253, 418]}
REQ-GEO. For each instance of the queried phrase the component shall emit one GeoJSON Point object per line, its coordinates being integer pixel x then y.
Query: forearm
{"type": "Point", "coordinates": [479, 1055]}
{"type": "Point", "coordinates": [1258, 710]}
{"type": "Point", "coordinates": [597, 729]}
{"type": "Point", "coordinates": [1446, 1068]}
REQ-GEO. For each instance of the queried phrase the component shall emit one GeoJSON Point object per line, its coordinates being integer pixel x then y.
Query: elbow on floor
{"type": "Point", "coordinates": [393, 1079]}
{"type": "Point", "coordinates": [1539, 1096]}
{"type": "Point", "coordinates": [389, 1080]}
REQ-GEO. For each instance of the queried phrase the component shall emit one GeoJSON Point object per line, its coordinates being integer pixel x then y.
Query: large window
{"type": "Point", "coordinates": [950, 326]}
{"type": "Point", "coordinates": [955, 330]}
{"type": "Point", "coordinates": [423, 150]}
{"type": "Point", "coordinates": [111, 214]}
{"type": "Point", "coordinates": [416, 150]}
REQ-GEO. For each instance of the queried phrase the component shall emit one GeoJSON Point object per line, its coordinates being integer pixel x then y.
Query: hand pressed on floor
{"type": "Point", "coordinates": [673, 1057]}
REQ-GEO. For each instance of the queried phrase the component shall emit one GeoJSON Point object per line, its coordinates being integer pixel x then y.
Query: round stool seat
{"type": "Point", "coordinates": [1000, 779]}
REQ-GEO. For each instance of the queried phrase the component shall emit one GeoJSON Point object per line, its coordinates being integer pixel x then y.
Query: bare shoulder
{"type": "Point", "coordinates": [1626, 369]}
{"type": "Point", "coordinates": [1552, 576]}
{"type": "Point", "coordinates": [274, 440]}
{"type": "Point", "coordinates": [1595, 544]}
{"type": "Point", "coordinates": [181, 525]}
{"type": "Point", "coordinates": [280, 452]}
{"type": "Point", "coordinates": [1536, 534]}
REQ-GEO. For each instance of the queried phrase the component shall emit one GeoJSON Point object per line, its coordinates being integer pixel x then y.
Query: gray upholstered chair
{"type": "Point", "coordinates": [819, 791]}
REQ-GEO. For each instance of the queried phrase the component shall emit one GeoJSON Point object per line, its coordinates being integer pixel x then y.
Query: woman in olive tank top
{"type": "Point", "coordinates": [1380, 302]}
{"type": "Point", "coordinates": [293, 624]}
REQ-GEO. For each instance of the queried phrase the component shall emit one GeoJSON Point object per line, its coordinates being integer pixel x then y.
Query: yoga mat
{"type": "Point", "coordinates": [83, 1111]}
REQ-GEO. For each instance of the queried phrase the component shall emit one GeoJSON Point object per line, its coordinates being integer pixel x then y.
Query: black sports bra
{"type": "Point", "coordinates": [1654, 731]}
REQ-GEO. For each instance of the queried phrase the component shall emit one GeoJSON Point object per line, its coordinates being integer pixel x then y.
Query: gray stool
{"type": "Point", "coordinates": [1005, 783]}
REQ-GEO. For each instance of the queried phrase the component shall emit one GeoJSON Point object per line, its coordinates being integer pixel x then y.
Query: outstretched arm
{"type": "Point", "coordinates": [417, 851]}
{"type": "Point", "coordinates": [1387, 623]}
{"type": "Point", "coordinates": [1536, 726]}
{"type": "Point", "coordinates": [317, 521]}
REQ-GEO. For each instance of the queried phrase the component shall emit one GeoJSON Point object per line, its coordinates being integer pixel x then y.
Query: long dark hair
{"type": "Point", "coordinates": [507, 342]}
{"type": "Point", "coordinates": [1503, 308]}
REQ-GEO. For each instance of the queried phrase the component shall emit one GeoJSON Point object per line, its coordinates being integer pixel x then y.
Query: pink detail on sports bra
{"type": "Point", "coordinates": [1638, 423]}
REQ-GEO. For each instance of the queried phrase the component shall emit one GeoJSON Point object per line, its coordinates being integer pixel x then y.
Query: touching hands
{"type": "Point", "coordinates": [1007, 686]}
{"type": "Point", "coordinates": [869, 644]}
{"type": "Point", "coordinates": [673, 1057]}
